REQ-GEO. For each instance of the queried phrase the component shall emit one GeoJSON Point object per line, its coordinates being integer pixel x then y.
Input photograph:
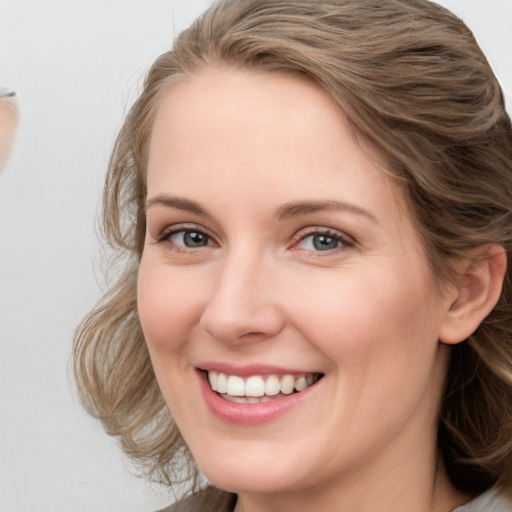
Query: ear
{"type": "Point", "coordinates": [477, 291]}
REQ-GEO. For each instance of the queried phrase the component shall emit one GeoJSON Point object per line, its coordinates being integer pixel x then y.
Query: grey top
{"type": "Point", "coordinates": [213, 500]}
{"type": "Point", "coordinates": [490, 501]}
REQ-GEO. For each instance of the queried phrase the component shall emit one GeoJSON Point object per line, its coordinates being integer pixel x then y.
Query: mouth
{"type": "Point", "coordinates": [257, 389]}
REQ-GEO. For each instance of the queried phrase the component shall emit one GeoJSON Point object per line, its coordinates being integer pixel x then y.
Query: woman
{"type": "Point", "coordinates": [314, 201]}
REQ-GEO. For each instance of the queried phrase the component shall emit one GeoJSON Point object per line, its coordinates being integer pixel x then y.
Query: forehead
{"type": "Point", "coordinates": [242, 100]}
{"type": "Point", "coordinates": [224, 127]}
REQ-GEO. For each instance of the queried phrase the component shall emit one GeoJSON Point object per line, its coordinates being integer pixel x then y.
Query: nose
{"type": "Point", "coordinates": [242, 304]}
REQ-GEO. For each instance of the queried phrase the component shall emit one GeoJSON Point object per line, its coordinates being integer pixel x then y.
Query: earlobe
{"type": "Point", "coordinates": [478, 291]}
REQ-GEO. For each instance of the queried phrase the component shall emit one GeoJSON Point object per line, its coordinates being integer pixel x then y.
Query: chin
{"type": "Point", "coordinates": [247, 481]}
{"type": "Point", "coordinates": [256, 469]}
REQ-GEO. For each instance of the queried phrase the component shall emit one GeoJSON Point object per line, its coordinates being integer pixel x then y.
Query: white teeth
{"type": "Point", "coordinates": [301, 384]}
{"type": "Point", "coordinates": [236, 386]}
{"type": "Point", "coordinates": [287, 384]}
{"type": "Point", "coordinates": [237, 399]}
{"type": "Point", "coordinates": [222, 383]}
{"type": "Point", "coordinates": [218, 381]}
{"type": "Point", "coordinates": [272, 386]}
{"type": "Point", "coordinates": [213, 379]}
{"type": "Point", "coordinates": [257, 388]}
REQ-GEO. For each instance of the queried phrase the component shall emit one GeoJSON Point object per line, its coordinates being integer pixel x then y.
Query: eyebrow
{"type": "Point", "coordinates": [177, 202]}
{"type": "Point", "coordinates": [292, 209]}
{"type": "Point", "coordinates": [299, 208]}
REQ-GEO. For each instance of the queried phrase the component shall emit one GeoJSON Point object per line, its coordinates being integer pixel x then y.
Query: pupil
{"type": "Point", "coordinates": [195, 239]}
{"type": "Point", "coordinates": [324, 242]}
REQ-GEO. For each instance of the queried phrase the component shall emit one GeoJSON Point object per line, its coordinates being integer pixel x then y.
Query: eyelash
{"type": "Point", "coordinates": [166, 235]}
{"type": "Point", "coordinates": [343, 241]}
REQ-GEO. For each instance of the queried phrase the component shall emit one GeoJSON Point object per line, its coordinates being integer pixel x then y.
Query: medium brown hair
{"type": "Point", "coordinates": [413, 82]}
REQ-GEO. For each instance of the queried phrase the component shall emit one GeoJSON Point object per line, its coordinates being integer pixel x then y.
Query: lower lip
{"type": "Point", "coordinates": [249, 414]}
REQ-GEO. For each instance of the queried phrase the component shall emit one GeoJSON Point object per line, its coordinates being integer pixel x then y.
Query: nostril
{"type": "Point", "coordinates": [252, 335]}
{"type": "Point", "coordinates": [240, 325]}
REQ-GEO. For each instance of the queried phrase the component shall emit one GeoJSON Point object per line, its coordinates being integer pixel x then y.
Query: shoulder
{"type": "Point", "coordinates": [490, 501]}
{"type": "Point", "coordinates": [207, 500]}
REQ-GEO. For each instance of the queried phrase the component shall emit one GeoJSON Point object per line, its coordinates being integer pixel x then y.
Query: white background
{"type": "Point", "coordinates": [77, 65]}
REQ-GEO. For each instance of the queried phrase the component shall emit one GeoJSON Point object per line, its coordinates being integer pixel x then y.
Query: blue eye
{"type": "Point", "coordinates": [323, 241]}
{"type": "Point", "coordinates": [189, 238]}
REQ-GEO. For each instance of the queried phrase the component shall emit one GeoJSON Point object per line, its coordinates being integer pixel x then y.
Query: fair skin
{"type": "Point", "coordinates": [275, 247]}
{"type": "Point", "coordinates": [8, 124]}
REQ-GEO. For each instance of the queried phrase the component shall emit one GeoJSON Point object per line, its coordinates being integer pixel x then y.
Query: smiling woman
{"type": "Point", "coordinates": [316, 202]}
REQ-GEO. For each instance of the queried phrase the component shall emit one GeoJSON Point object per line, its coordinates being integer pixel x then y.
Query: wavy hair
{"type": "Point", "coordinates": [413, 82]}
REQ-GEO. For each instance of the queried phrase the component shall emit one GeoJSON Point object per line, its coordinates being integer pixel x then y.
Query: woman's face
{"type": "Point", "coordinates": [278, 256]}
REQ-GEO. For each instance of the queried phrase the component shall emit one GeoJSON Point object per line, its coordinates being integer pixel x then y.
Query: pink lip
{"type": "Point", "coordinates": [249, 414]}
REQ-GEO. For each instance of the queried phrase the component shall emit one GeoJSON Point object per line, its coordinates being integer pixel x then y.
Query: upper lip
{"type": "Point", "coordinates": [251, 369]}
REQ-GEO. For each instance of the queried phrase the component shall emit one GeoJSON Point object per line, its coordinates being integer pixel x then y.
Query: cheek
{"type": "Point", "coordinates": [168, 310]}
{"type": "Point", "coordinates": [380, 338]}
{"type": "Point", "coordinates": [169, 305]}
{"type": "Point", "coordinates": [356, 318]}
